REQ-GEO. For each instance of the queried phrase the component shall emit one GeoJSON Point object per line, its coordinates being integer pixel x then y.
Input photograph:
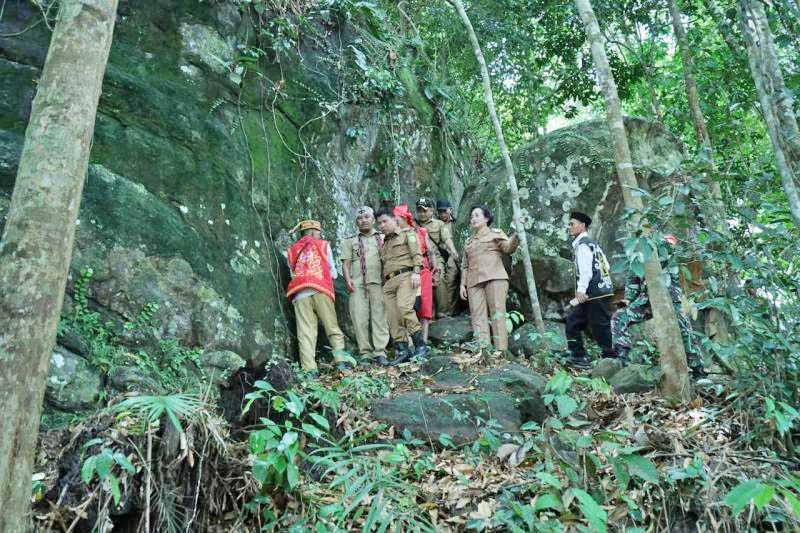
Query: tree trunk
{"type": "Point", "coordinates": [37, 243]}
{"type": "Point", "coordinates": [675, 383]}
{"type": "Point", "coordinates": [760, 78]}
{"type": "Point", "coordinates": [781, 98]}
{"type": "Point", "coordinates": [715, 214]}
{"type": "Point", "coordinates": [512, 180]}
{"type": "Point", "coordinates": [723, 25]}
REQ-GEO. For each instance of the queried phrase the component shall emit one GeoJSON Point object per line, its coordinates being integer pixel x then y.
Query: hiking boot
{"type": "Point", "coordinates": [344, 366]}
{"type": "Point", "coordinates": [698, 372]}
{"type": "Point", "coordinates": [420, 348]}
{"type": "Point", "coordinates": [577, 361]}
{"type": "Point", "coordinates": [402, 354]}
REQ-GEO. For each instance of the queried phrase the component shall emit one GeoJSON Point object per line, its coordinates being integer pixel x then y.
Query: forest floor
{"type": "Point", "coordinates": [606, 461]}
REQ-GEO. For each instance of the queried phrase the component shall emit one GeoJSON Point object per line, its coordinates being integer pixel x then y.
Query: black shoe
{"type": "Point", "coordinates": [381, 360]}
{"type": "Point", "coordinates": [344, 366]}
{"type": "Point", "coordinates": [401, 352]}
{"type": "Point", "coordinates": [420, 348]}
{"type": "Point", "coordinates": [698, 372]}
{"type": "Point", "coordinates": [578, 361]}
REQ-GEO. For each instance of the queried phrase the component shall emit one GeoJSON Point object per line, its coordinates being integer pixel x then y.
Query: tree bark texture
{"type": "Point", "coordinates": [509, 167]}
{"type": "Point", "coordinates": [781, 98]}
{"type": "Point", "coordinates": [37, 242]}
{"type": "Point", "coordinates": [675, 382]}
{"type": "Point", "coordinates": [762, 82]}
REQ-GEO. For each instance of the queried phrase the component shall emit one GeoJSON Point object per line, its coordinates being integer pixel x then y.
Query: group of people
{"type": "Point", "coordinates": [407, 271]}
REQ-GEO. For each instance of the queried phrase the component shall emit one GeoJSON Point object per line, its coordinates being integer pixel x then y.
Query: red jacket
{"type": "Point", "coordinates": [308, 260]}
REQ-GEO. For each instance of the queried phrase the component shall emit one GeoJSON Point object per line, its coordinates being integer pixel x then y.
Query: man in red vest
{"type": "Point", "coordinates": [311, 293]}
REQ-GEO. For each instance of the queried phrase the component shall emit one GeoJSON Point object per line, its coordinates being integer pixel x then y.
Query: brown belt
{"type": "Point", "coordinates": [403, 270]}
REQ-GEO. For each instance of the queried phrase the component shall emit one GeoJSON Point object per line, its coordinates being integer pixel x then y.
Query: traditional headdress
{"type": "Point", "coordinates": [306, 224]}
{"type": "Point", "coordinates": [365, 210]}
{"type": "Point", "coordinates": [403, 212]}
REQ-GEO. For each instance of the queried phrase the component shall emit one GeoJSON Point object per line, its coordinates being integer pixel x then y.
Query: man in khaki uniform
{"type": "Point", "coordinates": [361, 259]}
{"type": "Point", "coordinates": [445, 251]}
{"type": "Point", "coordinates": [402, 263]}
{"type": "Point", "coordinates": [450, 278]}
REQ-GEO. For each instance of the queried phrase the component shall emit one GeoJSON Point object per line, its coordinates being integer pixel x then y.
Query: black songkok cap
{"type": "Point", "coordinates": [442, 204]}
{"type": "Point", "coordinates": [581, 217]}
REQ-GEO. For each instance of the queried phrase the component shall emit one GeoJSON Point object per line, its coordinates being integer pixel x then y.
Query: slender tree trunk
{"type": "Point", "coordinates": [760, 78]}
{"type": "Point", "coordinates": [37, 243]}
{"type": "Point", "coordinates": [512, 180]}
{"type": "Point", "coordinates": [725, 29]}
{"type": "Point", "coordinates": [781, 98]}
{"type": "Point", "coordinates": [675, 383]}
{"type": "Point", "coordinates": [714, 215]}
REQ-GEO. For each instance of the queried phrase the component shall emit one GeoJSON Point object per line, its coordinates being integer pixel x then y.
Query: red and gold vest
{"type": "Point", "coordinates": [308, 259]}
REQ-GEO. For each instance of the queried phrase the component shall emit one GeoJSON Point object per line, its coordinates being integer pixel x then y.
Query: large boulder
{"type": "Point", "coordinates": [450, 330]}
{"type": "Point", "coordinates": [72, 384]}
{"type": "Point", "coordinates": [527, 341]}
{"type": "Point", "coordinates": [572, 168]}
{"type": "Point", "coordinates": [635, 378]}
{"type": "Point", "coordinates": [510, 395]}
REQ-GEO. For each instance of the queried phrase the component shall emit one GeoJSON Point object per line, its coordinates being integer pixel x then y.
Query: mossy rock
{"type": "Point", "coordinates": [635, 378]}
{"type": "Point", "coordinates": [72, 384]}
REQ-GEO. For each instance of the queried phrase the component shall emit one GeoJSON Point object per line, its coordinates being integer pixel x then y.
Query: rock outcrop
{"type": "Point", "coordinates": [572, 168]}
{"type": "Point", "coordinates": [509, 396]}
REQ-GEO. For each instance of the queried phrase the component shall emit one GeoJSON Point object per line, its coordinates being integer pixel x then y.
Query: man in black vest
{"type": "Point", "coordinates": [592, 294]}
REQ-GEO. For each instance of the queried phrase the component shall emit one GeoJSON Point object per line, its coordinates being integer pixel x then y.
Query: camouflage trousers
{"type": "Point", "coordinates": [638, 311]}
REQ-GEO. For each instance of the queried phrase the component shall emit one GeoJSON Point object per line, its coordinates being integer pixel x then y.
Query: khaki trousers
{"type": "Point", "coordinates": [446, 290]}
{"type": "Point", "coordinates": [399, 297]}
{"type": "Point", "coordinates": [308, 312]}
{"type": "Point", "coordinates": [488, 301]}
{"type": "Point", "coordinates": [367, 313]}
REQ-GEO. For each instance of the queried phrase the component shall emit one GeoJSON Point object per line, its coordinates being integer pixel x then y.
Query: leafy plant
{"type": "Point", "coordinates": [106, 466]}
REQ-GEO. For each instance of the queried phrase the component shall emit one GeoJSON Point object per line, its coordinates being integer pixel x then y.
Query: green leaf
{"type": "Point", "coordinates": [292, 475]}
{"type": "Point", "coordinates": [566, 405]}
{"type": "Point", "coordinates": [123, 461]}
{"type": "Point", "coordinates": [87, 470]}
{"type": "Point", "coordinates": [91, 443]}
{"type": "Point", "coordinates": [549, 479]}
{"type": "Point", "coordinates": [103, 464]}
{"type": "Point", "coordinates": [762, 498]}
{"type": "Point", "coordinates": [260, 468]}
{"type": "Point", "coordinates": [591, 510]}
{"type": "Point", "coordinates": [320, 420]}
{"type": "Point", "coordinates": [641, 467]}
{"type": "Point", "coordinates": [113, 483]}
{"type": "Point", "coordinates": [312, 430]}
{"type": "Point", "coordinates": [738, 498]}
{"type": "Point", "coordinates": [793, 502]}
{"type": "Point", "coordinates": [446, 440]}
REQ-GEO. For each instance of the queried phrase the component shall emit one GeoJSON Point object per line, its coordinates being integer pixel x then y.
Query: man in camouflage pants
{"type": "Point", "coordinates": [638, 310]}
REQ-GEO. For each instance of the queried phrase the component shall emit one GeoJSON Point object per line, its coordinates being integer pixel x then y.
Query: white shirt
{"type": "Point", "coordinates": [305, 293]}
{"type": "Point", "coordinates": [583, 258]}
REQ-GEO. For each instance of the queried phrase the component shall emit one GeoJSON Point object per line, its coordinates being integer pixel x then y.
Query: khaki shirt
{"type": "Point", "coordinates": [438, 230]}
{"type": "Point", "coordinates": [483, 257]}
{"type": "Point", "coordinates": [401, 250]}
{"type": "Point", "coordinates": [351, 251]}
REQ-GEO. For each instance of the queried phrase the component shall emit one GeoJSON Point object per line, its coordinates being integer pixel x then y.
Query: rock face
{"type": "Point", "coordinates": [572, 168]}
{"type": "Point", "coordinates": [193, 184]}
{"type": "Point", "coordinates": [510, 396]}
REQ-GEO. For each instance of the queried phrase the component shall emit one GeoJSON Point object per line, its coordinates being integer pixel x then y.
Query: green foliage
{"type": "Point", "coordinates": [370, 480]}
{"type": "Point", "coordinates": [107, 466]}
{"type": "Point", "coordinates": [174, 367]}
{"type": "Point", "coordinates": [152, 408]}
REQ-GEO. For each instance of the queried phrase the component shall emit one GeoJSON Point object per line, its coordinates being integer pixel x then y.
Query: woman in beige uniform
{"type": "Point", "coordinates": [484, 280]}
